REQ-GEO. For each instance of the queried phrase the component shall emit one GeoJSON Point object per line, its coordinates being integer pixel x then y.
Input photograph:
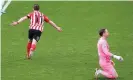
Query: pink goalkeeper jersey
{"type": "Point", "coordinates": [103, 51]}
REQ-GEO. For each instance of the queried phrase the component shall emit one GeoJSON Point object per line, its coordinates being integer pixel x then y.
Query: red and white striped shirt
{"type": "Point", "coordinates": [37, 20]}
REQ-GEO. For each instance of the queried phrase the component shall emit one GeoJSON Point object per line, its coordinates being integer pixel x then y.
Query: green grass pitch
{"type": "Point", "coordinates": [71, 54]}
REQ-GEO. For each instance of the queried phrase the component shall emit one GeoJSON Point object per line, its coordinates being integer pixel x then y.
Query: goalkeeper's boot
{"type": "Point", "coordinates": [97, 72]}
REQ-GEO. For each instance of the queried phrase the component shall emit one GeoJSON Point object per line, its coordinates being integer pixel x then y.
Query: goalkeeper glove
{"type": "Point", "coordinates": [118, 57]}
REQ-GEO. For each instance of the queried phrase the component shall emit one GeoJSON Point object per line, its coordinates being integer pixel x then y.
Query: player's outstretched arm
{"type": "Point", "coordinates": [117, 57]}
{"type": "Point", "coordinates": [55, 26]}
{"type": "Point", "coordinates": [19, 21]}
{"type": "Point", "coordinates": [107, 52]}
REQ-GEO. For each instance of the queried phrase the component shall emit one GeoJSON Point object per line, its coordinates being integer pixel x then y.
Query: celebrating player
{"type": "Point", "coordinates": [106, 64]}
{"type": "Point", "coordinates": [37, 20]}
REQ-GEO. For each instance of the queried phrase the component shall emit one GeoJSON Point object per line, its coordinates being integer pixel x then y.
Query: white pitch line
{"type": "Point", "coordinates": [5, 6]}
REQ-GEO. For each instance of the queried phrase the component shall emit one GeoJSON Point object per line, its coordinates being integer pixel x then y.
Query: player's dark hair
{"type": "Point", "coordinates": [36, 7]}
{"type": "Point", "coordinates": [101, 31]}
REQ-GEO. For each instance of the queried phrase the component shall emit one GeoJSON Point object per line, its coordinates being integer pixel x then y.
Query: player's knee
{"type": "Point", "coordinates": [115, 76]}
{"type": "Point", "coordinates": [33, 47]}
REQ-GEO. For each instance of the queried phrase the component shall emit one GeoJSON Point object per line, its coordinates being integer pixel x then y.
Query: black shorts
{"type": "Point", "coordinates": [34, 34]}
